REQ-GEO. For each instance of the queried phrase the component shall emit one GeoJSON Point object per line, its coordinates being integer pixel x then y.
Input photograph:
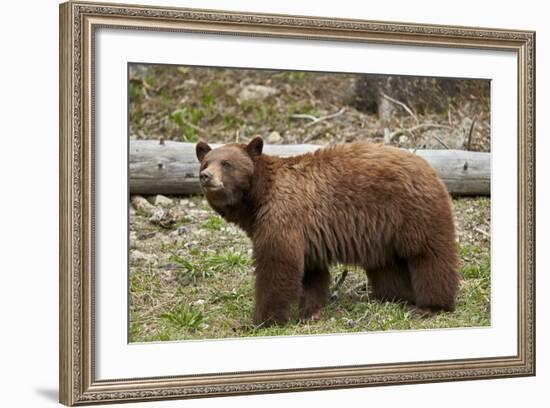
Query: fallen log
{"type": "Point", "coordinates": [172, 167]}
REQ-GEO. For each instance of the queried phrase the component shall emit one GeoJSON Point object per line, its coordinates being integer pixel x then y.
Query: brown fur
{"type": "Point", "coordinates": [362, 204]}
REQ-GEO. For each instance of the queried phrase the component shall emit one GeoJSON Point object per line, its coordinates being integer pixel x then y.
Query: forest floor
{"type": "Point", "coordinates": [192, 277]}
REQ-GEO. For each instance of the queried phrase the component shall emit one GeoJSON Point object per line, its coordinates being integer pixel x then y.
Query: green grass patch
{"type": "Point", "coordinates": [229, 261]}
{"type": "Point", "coordinates": [189, 271]}
{"type": "Point", "coordinates": [184, 317]}
{"type": "Point", "coordinates": [214, 223]}
{"type": "Point", "coordinates": [187, 119]}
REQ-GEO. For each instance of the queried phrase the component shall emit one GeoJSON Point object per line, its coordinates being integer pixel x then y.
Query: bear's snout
{"type": "Point", "coordinates": [210, 180]}
{"type": "Point", "coordinates": [205, 176]}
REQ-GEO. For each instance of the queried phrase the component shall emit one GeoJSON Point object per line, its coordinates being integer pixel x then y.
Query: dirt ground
{"type": "Point", "coordinates": [191, 274]}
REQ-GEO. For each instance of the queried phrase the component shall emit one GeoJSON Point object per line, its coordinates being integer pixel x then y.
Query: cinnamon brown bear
{"type": "Point", "coordinates": [378, 207]}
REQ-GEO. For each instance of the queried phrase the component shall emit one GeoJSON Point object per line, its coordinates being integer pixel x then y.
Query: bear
{"type": "Point", "coordinates": [378, 207]}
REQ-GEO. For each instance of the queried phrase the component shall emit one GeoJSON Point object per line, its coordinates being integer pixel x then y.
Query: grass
{"type": "Point", "coordinates": [184, 317]}
{"type": "Point", "coordinates": [214, 223]}
{"type": "Point", "coordinates": [204, 288]}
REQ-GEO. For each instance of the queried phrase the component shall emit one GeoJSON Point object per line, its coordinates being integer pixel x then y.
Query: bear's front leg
{"type": "Point", "coordinates": [279, 271]}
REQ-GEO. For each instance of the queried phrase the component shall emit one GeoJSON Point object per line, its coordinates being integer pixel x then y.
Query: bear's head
{"type": "Point", "coordinates": [226, 173]}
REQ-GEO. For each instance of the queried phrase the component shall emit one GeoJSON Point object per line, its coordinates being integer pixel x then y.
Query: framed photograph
{"type": "Point", "coordinates": [256, 203]}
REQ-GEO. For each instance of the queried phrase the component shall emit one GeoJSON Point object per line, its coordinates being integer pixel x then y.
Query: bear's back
{"type": "Point", "coordinates": [352, 170]}
{"type": "Point", "coordinates": [349, 197]}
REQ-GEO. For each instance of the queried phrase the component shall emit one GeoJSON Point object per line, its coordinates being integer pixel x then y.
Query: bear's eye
{"type": "Point", "coordinates": [226, 164]}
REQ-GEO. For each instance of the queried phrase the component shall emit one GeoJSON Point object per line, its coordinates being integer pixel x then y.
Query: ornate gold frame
{"type": "Point", "coordinates": [77, 24]}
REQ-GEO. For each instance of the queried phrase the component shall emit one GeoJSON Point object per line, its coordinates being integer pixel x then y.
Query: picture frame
{"type": "Point", "coordinates": [79, 24]}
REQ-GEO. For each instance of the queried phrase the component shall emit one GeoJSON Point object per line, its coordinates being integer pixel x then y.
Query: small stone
{"type": "Point", "coordinates": [403, 139]}
{"type": "Point", "coordinates": [163, 201]}
{"type": "Point", "coordinates": [138, 256]}
{"type": "Point", "coordinates": [350, 323]}
{"type": "Point", "coordinates": [184, 202]}
{"type": "Point", "coordinates": [156, 216]}
{"type": "Point", "coordinates": [146, 235]}
{"type": "Point", "coordinates": [274, 138]}
{"type": "Point", "coordinates": [191, 204]}
{"type": "Point", "coordinates": [142, 205]}
{"type": "Point", "coordinates": [199, 302]}
{"type": "Point", "coordinates": [189, 83]}
{"type": "Point", "coordinates": [256, 92]}
{"type": "Point", "coordinates": [182, 230]}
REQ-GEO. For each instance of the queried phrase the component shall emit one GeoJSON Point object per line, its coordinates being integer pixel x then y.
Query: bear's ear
{"type": "Point", "coordinates": [254, 148]}
{"type": "Point", "coordinates": [201, 149]}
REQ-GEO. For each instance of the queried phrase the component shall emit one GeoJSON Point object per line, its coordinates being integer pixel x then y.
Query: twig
{"type": "Point", "coordinates": [388, 136]}
{"type": "Point", "coordinates": [469, 140]}
{"type": "Point", "coordinates": [409, 110]}
{"type": "Point", "coordinates": [310, 137]}
{"type": "Point", "coordinates": [482, 232]}
{"type": "Point", "coordinates": [315, 120]}
{"type": "Point", "coordinates": [303, 116]}
{"type": "Point", "coordinates": [440, 141]}
{"type": "Point", "coordinates": [362, 287]}
{"type": "Point", "coordinates": [197, 128]}
{"type": "Point", "coordinates": [418, 127]}
{"type": "Point", "coordinates": [322, 118]}
{"type": "Point", "coordinates": [311, 96]}
{"type": "Point", "coordinates": [340, 280]}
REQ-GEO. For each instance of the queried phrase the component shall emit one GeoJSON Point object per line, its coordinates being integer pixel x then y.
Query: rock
{"type": "Point", "coordinates": [143, 206]}
{"type": "Point", "coordinates": [350, 322]}
{"type": "Point", "coordinates": [256, 92]}
{"type": "Point", "coordinates": [162, 218]}
{"type": "Point", "coordinates": [138, 256]}
{"type": "Point", "coordinates": [274, 138]}
{"type": "Point", "coordinates": [157, 216]}
{"type": "Point", "coordinates": [182, 230]}
{"type": "Point", "coordinates": [199, 302]}
{"type": "Point", "coordinates": [179, 213]}
{"type": "Point", "coordinates": [189, 83]}
{"type": "Point", "coordinates": [191, 204]}
{"type": "Point", "coordinates": [145, 235]}
{"type": "Point", "coordinates": [163, 201]}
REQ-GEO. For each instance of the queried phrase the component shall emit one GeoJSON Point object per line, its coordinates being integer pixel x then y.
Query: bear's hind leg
{"type": "Point", "coordinates": [391, 282]}
{"type": "Point", "coordinates": [315, 290]}
{"type": "Point", "coordinates": [434, 282]}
